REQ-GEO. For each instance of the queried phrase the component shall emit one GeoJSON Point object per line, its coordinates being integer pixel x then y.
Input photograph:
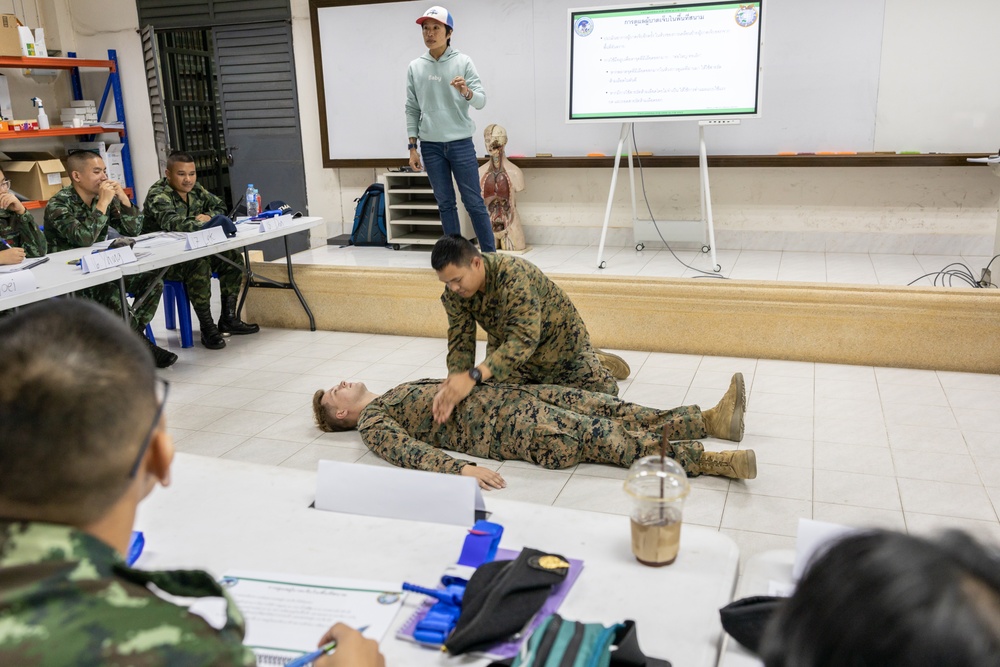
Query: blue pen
{"type": "Point", "coordinates": [6, 246]}
{"type": "Point", "coordinates": [309, 658]}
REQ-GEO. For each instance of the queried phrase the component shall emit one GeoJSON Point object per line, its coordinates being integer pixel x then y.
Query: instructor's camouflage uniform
{"type": "Point", "coordinates": [164, 210]}
{"type": "Point", "coordinates": [67, 598]}
{"type": "Point", "coordinates": [534, 333]}
{"type": "Point", "coordinates": [69, 223]}
{"type": "Point", "coordinates": [20, 231]}
{"type": "Point", "coordinates": [554, 427]}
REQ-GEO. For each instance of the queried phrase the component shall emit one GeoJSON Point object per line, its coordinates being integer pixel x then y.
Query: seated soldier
{"type": "Point", "coordinates": [20, 237]}
{"type": "Point", "coordinates": [84, 442]}
{"type": "Point", "coordinates": [884, 598]}
{"type": "Point", "coordinates": [178, 203]}
{"type": "Point", "coordinates": [554, 427]}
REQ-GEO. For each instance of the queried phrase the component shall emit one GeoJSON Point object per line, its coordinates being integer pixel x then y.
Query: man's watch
{"type": "Point", "coordinates": [411, 146]}
{"type": "Point", "coordinates": [476, 375]}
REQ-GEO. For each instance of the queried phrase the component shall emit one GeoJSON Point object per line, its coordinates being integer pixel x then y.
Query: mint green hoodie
{"type": "Point", "coordinates": [436, 111]}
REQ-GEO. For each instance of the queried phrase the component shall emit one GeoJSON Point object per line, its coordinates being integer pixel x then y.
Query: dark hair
{"type": "Point", "coordinates": [453, 249]}
{"type": "Point", "coordinates": [447, 33]}
{"type": "Point", "coordinates": [77, 160]}
{"type": "Point", "coordinates": [884, 598]}
{"type": "Point", "coordinates": [77, 398]}
{"type": "Point", "coordinates": [179, 157]}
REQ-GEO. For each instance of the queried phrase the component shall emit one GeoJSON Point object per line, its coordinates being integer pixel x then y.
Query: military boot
{"type": "Point", "coordinates": [231, 324]}
{"type": "Point", "coordinates": [617, 366]}
{"type": "Point", "coordinates": [163, 358]}
{"type": "Point", "coordinates": [725, 420]}
{"type": "Point", "coordinates": [210, 336]}
{"type": "Point", "coordinates": [737, 464]}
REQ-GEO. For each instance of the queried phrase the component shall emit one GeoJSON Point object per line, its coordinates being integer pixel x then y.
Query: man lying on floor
{"type": "Point", "coordinates": [554, 427]}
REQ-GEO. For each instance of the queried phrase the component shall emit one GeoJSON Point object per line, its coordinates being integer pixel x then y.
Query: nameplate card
{"type": "Point", "coordinates": [204, 238]}
{"type": "Point", "coordinates": [107, 259]}
{"type": "Point", "coordinates": [17, 282]}
{"type": "Point", "coordinates": [395, 493]}
{"type": "Point", "coordinates": [276, 223]}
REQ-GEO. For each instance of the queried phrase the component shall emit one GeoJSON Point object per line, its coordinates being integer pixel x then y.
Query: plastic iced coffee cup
{"type": "Point", "coordinates": [658, 487]}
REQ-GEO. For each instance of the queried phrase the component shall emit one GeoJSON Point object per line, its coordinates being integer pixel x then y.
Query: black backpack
{"type": "Point", "coordinates": [369, 217]}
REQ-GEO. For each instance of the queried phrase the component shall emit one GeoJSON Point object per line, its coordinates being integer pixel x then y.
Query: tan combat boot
{"type": "Point", "coordinates": [737, 464]}
{"type": "Point", "coordinates": [616, 365]}
{"type": "Point", "coordinates": [725, 420]}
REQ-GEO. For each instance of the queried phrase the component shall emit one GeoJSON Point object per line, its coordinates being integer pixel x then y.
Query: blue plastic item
{"type": "Point", "coordinates": [135, 546]}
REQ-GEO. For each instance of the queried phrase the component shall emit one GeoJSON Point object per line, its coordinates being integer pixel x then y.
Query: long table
{"type": "Point", "coordinates": [224, 515]}
{"type": "Point", "coordinates": [59, 276]}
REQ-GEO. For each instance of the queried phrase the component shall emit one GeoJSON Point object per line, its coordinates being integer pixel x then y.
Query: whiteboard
{"type": "Point", "coordinates": [855, 75]}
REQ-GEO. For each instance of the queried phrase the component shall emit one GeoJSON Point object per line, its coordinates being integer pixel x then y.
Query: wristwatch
{"type": "Point", "coordinates": [476, 375]}
{"type": "Point", "coordinates": [411, 146]}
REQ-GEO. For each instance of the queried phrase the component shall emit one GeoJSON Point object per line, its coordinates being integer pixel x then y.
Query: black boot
{"type": "Point", "coordinates": [210, 335]}
{"type": "Point", "coordinates": [230, 323]}
{"type": "Point", "coordinates": [163, 358]}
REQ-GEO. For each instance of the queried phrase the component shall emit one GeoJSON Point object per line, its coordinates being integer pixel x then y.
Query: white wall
{"type": "Point", "coordinates": [943, 210]}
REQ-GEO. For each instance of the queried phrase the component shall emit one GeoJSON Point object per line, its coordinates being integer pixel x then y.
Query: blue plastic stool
{"type": "Point", "coordinates": [175, 297]}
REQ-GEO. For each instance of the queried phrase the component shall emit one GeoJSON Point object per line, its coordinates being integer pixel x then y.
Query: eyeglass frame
{"type": "Point", "coordinates": [161, 382]}
{"type": "Point", "coordinates": [5, 184]}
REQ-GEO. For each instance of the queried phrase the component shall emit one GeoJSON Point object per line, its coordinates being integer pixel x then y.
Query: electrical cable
{"type": "Point", "coordinates": [645, 199]}
{"type": "Point", "coordinates": [949, 274]}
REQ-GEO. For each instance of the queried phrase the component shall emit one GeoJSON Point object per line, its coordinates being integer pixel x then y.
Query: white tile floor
{"type": "Point", "coordinates": [912, 450]}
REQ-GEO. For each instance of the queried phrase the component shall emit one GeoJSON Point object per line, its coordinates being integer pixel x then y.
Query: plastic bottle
{"type": "Point", "coordinates": [43, 119]}
{"type": "Point", "coordinates": [253, 207]}
{"type": "Point", "coordinates": [260, 204]}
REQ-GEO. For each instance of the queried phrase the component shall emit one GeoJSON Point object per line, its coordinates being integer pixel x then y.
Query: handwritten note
{"type": "Point", "coordinates": [107, 259]}
{"type": "Point", "coordinates": [204, 237]}
{"type": "Point", "coordinates": [17, 282]}
{"type": "Point", "coordinates": [276, 223]}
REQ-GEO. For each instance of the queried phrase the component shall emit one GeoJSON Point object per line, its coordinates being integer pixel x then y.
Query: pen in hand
{"type": "Point", "coordinates": [309, 658]}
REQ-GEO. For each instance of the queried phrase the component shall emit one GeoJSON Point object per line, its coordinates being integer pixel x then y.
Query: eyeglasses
{"type": "Point", "coordinates": [5, 185]}
{"type": "Point", "coordinates": [162, 389]}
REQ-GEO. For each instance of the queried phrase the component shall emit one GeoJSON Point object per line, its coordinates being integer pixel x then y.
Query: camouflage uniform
{"type": "Point", "coordinates": [164, 210]}
{"type": "Point", "coordinates": [554, 427]}
{"type": "Point", "coordinates": [20, 231]}
{"type": "Point", "coordinates": [534, 333]}
{"type": "Point", "coordinates": [67, 598]}
{"type": "Point", "coordinates": [70, 223]}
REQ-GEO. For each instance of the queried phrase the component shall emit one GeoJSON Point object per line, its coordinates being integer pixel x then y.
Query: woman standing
{"type": "Point", "coordinates": [441, 85]}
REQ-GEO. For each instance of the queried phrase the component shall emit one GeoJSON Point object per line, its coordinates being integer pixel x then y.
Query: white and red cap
{"type": "Point", "coordinates": [439, 14]}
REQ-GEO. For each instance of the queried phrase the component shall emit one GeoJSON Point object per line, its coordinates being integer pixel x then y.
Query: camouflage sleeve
{"type": "Point", "coordinates": [461, 336]}
{"type": "Point", "coordinates": [522, 326]}
{"type": "Point", "coordinates": [126, 219]}
{"type": "Point", "coordinates": [78, 228]}
{"type": "Point", "coordinates": [30, 236]}
{"type": "Point", "coordinates": [159, 208]}
{"type": "Point", "coordinates": [214, 204]}
{"type": "Point", "coordinates": [384, 436]}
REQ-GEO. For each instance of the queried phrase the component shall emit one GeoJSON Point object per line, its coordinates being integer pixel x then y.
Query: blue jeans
{"type": "Point", "coordinates": [441, 160]}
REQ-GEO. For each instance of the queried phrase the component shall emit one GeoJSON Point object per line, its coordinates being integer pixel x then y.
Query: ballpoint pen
{"type": "Point", "coordinates": [309, 658]}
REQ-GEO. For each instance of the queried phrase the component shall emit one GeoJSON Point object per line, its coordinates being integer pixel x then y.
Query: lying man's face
{"type": "Point", "coordinates": [343, 396]}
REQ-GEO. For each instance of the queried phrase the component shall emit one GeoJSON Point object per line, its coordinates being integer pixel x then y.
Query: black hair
{"type": "Point", "coordinates": [453, 249]}
{"type": "Point", "coordinates": [885, 598]}
{"type": "Point", "coordinates": [179, 157]}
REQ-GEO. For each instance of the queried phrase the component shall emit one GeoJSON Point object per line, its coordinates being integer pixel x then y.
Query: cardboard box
{"type": "Point", "coordinates": [10, 40]}
{"type": "Point", "coordinates": [35, 175]}
{"type": "Point", "coordinates": [115, 163]}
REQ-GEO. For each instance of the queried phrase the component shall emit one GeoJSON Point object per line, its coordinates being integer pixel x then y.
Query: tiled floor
{"type": "Point", "coordinates": [912, 450]}
{"type": "Point", "coordinates": [856, 268]}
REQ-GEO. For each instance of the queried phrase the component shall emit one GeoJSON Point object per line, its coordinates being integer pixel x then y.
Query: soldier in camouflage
{"type": "Point", "coordinates": [18, 230]}
{"type": "Point", "coordinates": [177, 203]}
{"type": "Point", "coordinates": [534, 333]}
{"type": "Point", "coordinates": [84, 442]}
{"type": "Point", "coordinates": [554, 427]}
{"type": "Point", "coordinates": [79, 215]}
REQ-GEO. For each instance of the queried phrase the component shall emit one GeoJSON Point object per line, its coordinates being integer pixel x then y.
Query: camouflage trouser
{"type": "Point", "coordinates": [582, 370]}
{"type": "Point", "coordinates": [108, 295]}
{"type": "Point", "coordinates": [569, 427]}
{"type": "Point", "coordinates": [197, 277]}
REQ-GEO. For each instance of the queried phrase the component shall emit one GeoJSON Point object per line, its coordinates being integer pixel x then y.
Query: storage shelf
{"type": "Point", "coordinates": [61, 132]}
{"type": "Point", "coordinates": [411, 212]}
{"type": "Point", "coordinates": [32, 62]}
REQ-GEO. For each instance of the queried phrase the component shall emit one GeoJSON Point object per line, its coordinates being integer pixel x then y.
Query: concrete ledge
{"type": "Point", "coordinates": [904, 327]}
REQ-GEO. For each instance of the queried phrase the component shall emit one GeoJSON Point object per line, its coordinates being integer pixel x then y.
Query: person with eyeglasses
{"type": "Point", "coordinates": [85, 441]}
{"type": "Point", "coordinates": [20, 237]}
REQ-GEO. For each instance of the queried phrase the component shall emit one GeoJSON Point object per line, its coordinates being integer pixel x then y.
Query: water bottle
{"type": "Point", "coordinates": [253, 207]}
{"type": "Point", "coordinates": [260, 204]}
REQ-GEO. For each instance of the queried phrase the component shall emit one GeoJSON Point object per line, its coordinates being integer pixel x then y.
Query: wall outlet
{"type": "Point", "coordinates": [987, 279]}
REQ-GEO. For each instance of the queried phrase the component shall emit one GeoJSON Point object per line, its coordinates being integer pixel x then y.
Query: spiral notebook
{"type": "Point", "coordinates": [287, 614]}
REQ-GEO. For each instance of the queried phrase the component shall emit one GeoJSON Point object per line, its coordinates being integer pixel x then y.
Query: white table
{"type": "Point", "coordinates": [56, 278]}
{"type": "Point", "coordinates": [224, 515]}
{"type": "Point", "coordinates": [162, 257]}
{"type": "Point", "coordinates": [758, 573]}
